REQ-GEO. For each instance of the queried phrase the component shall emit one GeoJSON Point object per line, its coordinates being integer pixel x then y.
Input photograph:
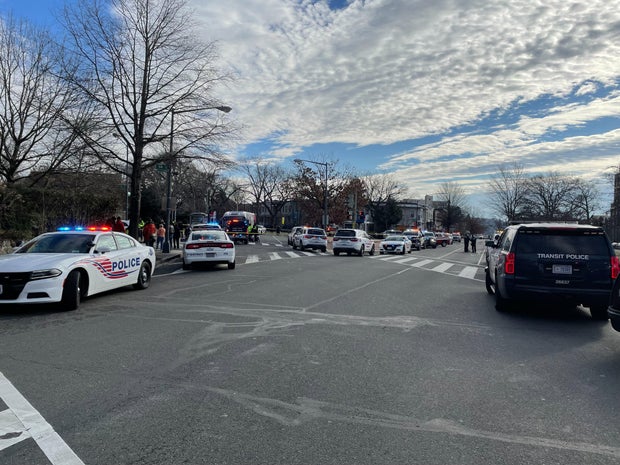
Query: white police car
{"type": "Point", "coordinates": [66, 266]}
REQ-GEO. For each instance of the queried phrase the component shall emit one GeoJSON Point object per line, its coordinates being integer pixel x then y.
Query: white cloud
{"type": "Point", "coordinates": [384, 71]}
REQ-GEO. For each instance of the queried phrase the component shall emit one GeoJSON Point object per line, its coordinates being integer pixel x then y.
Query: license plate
{"type": "Point", "coordinates": [562, 269]}
{"type": "Point", "coordinates": [210, 254]}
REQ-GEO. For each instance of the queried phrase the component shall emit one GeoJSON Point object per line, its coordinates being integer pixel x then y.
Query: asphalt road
{"type": "Point", "coordinates": [307, 358]}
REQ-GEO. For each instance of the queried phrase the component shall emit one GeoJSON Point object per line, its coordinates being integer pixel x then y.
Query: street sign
{"type": "Point", "coordinates": [161, 167]}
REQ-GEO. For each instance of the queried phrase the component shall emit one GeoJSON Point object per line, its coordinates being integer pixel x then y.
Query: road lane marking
{"type": "Point", "coordinates": [55, 449]}
{"type": "Point", "coordinates": [422, 263]}
{"type": "Point", "coordinates": [274, 256]}
{"type": "Point", "coordinates": [11, 430]}
{"type": "Point", "coordinates": [293, 254]}
{"type": "Point", "coordinates": [469, 272]}
{"type": "Point", "coordinates": [252, 259]}
{"type": "Point", "coordinates": [406, 260]}
{"type": "Point", "coordinates": [443, 267]}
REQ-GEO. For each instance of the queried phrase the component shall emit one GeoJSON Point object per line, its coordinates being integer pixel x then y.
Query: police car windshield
{"type": "Point", "coordinates": [395, 238]}
{"type": "Point", "coordinates": [59, 243]}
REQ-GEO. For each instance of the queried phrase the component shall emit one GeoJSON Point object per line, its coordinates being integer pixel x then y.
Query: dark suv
{"type": "Point", "coordinates": [415, 237]}
{"type": "Point", "coordinates": [557, 262]}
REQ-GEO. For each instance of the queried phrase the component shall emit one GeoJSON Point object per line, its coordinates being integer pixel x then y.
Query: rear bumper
{"type": "Point", "coordinates": [587, 297]}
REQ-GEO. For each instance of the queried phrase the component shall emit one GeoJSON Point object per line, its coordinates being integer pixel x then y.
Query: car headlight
{"type": "Point", "coordinates": [44, 274]}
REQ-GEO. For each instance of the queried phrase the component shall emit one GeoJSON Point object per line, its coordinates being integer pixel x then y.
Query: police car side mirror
{"type": "Point", "coordinates": [103, 249]}
{"type": "Point", "coordinates": [490, 244]}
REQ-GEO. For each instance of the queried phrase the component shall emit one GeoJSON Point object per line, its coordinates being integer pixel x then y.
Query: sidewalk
{"type": "Point", "coordinates": [166, 257]}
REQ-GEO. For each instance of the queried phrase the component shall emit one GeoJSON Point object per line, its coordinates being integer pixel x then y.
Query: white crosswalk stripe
{"type": "Point", "coordinates": [461, 270]}
{"type": "Point", "coordinates": [468, 272]}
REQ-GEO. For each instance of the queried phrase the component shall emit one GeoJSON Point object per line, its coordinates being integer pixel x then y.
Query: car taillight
{"type": "Point", "coordinates": [323, 237]}
{"type": "Point", "coordinates": [615, 267]}
{"type": "Point", "coordinates": [509, 265]}
{"type": "Point", "coordinates": [354, 239]}
{"type": "Point", "coordinates": [336, 239]}
{"type": "Point", "coordinates": [226, 246]}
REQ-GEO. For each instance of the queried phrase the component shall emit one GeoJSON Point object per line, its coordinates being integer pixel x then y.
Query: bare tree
{"type": "Point", "coordinates": [152, 80]}
{"type": "Point", "coordinates": [309, 186]}
{"type": "Point", "coordinates": [550, 197]}
{"type": "Point", "coordinates": [35, 104]}
{"type": "Point", "coordinates": [268, 184]}
{"type": "Point", "coordinates": [453, 203]}
{"type": "Point", "coordinates": [382, 192]}
{"type": "Point", "coordinates": [509, 191]}
{"type": "Point", "coordinates": [586, 200]}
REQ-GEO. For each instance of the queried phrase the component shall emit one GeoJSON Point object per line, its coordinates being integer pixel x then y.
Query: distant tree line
{"type": "Point", "coordinates": [517, 196]}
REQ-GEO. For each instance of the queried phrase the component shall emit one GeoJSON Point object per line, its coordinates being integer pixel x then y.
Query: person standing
{"type": "Point", "coordinates": [466, 241]}
{"type": "Point", "coordinates": [161, 237]}
{"type": "Point", "coordinates": [149, 232]}
{"type": "Point", "coordinates": [118, 225]}
{"type": "Point", "coordinates": [473, 243]}
{"type": "Point", "coordinates": [176, 235]}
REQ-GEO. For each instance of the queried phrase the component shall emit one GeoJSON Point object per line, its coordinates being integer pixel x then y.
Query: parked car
{"type": "Point", "coordinates": [390, 232]}
{"type": "Point", "coordinates": [293, 231]}
{"type": "Point", "coordinates": [429, 240]}
{"type": "Point", "coordinates": [67, 266]}
{"type": "Point", "coordinates": [552, 262]}
{"type": "Point", "coordinates": [395, 244]}
{"type": "Point", "coordinates": [206, 227]}
{"type": "Point", "coordinates": [310, 238]}
{"type": "Point", "coordinates": [353, 241]}
{"type": "Point", "coordinates": [208, 247]}
{"type": "Point", "coordinates": [415, 237]}
{"type": "Point", "coordinates": [456, 237]}
{"type": "Point", "coordinates": [442, 239]}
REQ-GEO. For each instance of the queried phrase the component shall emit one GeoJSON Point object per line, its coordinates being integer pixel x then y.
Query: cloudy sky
{"type": "Point", "coordinates": [431, 91]}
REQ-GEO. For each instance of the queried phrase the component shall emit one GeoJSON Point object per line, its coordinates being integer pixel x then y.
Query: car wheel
{"type": "Point", "coordinates": [488, 283]}
{"type": "Point", "coordinates": [381, 252]}
{"type": "Point", "coordinates": [435, 246]}
{"type": "Point", "coordinates": [324, 249]}
{"type": "Point", "coordinates": [336, 252]}
{"type": "Point", "coordinates": [186, 266]}
{"type": "Point", "coordinates": [294, 246]}
{"type": "Point", "coordinates": [231, 265]}
{"type": "Point", "coordinates": [71, 293]}
{"type": "Point", "coordinates": [443, 244]}
{"type": "Point", "coordinates": [144, 277]}
{"type": "Point", "coordinates": [501, 304]}
{"type": "Point", "coordinates": [372, 250]}
{"type": "Point", "coordinates": [599, 312]}
{"type": "Point", "coordinates": [615, 324]}
{"type": "Point", "coordinates": [301, 246]}
{"type": "Point", "coordinates": [361, 252]}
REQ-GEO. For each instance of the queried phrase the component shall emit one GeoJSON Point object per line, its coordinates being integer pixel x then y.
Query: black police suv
{"type": "Point", "coordinates": [552, 262]}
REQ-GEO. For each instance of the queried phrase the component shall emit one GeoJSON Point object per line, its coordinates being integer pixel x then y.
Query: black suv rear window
{"type": "Point", "coordinates": [561, 242]}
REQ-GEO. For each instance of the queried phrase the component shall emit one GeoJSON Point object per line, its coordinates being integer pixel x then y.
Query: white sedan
{"type": "Point", "coordinates": [67, 266]}
{"type": "Point", "coordinates": [210, 246]}
{"type": "Point", "coordinates": [395, 244]}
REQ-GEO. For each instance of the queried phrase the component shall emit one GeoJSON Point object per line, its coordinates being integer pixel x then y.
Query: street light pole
{"type": "Point", "coordinates": [166, 246]}
{"type": "Point", "coordinates": [326, 166]}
